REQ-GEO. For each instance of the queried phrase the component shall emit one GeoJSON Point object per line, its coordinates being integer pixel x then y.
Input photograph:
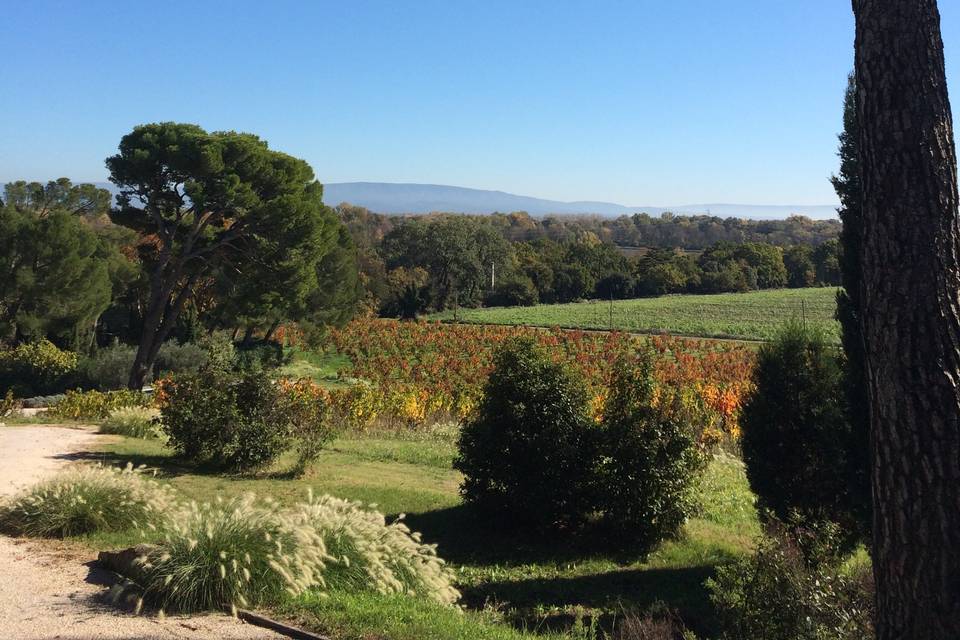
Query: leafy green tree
{"type": "Point", "coordinates": [58, 195]}
{"type": "Point", "coordinates": [826, 258]}
{"type": "Point", "coordinates": [767, 260]}
{"type": "Point", "coordinates": [572, 282]}
{"type": "Point", "coordinates": [722, 271]}
{"type": "Point", "coordinates": [617, 285]}
{"type": "Point", "coordinates": [456, 251]}
{"type": "Point", "coordinates": [798, 260]}
{"type": "Point", "coordinates": [649, 458]}
{"type": "Point", "coordinates": [661, 279]}
{"type": "Point", "coordinates": [212, 202]}
{"type": "Point", "coordinates": [517, 291]}
{"type": "Point", "coordinates": [55, 279]}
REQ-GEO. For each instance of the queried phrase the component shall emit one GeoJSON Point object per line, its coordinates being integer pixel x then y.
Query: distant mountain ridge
{"type": "Point", "coordinates": [396, 198]}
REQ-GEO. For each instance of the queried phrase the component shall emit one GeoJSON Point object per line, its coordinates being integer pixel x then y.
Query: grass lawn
{"type": "Point", "coordinates": [750, 316]}
{"type": "Point", "coordinates": [511, 586]}
{"type": "Point", "coordinates": [322, 368]}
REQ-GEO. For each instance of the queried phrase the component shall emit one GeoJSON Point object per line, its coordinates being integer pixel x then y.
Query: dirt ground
{"type": "Point", "coordinates": [50, 589]}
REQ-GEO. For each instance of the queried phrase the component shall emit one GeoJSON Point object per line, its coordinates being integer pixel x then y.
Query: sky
{"type": "Point", "coordinates": [641, 102]}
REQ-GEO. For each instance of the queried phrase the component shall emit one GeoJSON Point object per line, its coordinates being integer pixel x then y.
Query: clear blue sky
{"type": "Point", "coordinates": [642, 102]}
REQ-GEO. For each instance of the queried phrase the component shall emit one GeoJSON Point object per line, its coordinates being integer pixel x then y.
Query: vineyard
{"type": "Point", "coordinates": [749, 316]}
{"type": "Point", "coordinates": [412, 373]}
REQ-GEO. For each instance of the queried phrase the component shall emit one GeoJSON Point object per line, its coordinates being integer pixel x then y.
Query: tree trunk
{"type": "Point", "coordinates": [273, 328]}
{"type": "Point", "coordinates": [911, 328]}
{"type": "Point", "coordinates": [148, 336]}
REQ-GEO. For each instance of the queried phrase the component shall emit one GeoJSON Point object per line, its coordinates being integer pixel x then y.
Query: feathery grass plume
{"type": "Point", "coordinates": [369, 554]}
{"type": "Point", "coordinates": [134, 422]}
{"type": "Point", "coordinates": [240, 552]}
{"type": "Point", "coordinates": [86, 499]}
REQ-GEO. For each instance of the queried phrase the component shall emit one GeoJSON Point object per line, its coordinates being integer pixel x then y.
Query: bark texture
{"type": "Point", "coordinates": [911, 320]}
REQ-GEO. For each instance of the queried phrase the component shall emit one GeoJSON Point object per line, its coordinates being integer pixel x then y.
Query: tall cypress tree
{"type": "Point", "coordinates": [850, 305]}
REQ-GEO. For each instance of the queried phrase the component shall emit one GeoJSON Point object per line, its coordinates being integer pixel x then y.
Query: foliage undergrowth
{"type": "Point", "coordinates": [794, 587]}
{"type": "Point", "coordinates": [36, 368]}
{"type": "Point", "coordinates": [96, 405]}
{"type": "Point", "coordinates": [133, 422]}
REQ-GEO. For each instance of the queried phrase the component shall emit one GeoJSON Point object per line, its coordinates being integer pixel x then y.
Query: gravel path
{"type": "Point", "coordinates": [48, 590]}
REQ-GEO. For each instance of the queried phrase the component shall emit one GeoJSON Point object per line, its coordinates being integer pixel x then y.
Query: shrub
{"type": "Point", "coordinates": [88, 499]}
{"type": "Point", "coordinates": [223, 420]}
{"type": "Point", "coordinates": [9, 405]}
{"type": "Point", "coordinates": [36, 368]}
{"type": "Point", "coordinates": [529, 452]}
{"type": "Point", "coordinates": [369, 554]}
{"type": "Point", "coordinates": [305, 407]}
{"type": "Point", "coordinates": [650, 460]}
{"type": "Point", "coordinates": [784, 593]}
{"type": "Point", "coordinates": [133, 422]}
{"type": "Point", "coordinates": [180, 358]}
{"type": "Point", "coordinates": [799, 448]}
{"type": "Point", "coordinates": [259, 355]}
{"type": "Point", "coordinates": [240, 553]}
{"type": "Point", "coordinates": [357, 406]}
{"type": "Point", "coordinates": [95, 405]}
{"type": "Point", "coordinates": [108, 369]}
{"type": "Point", "coordinates": [219, 350]}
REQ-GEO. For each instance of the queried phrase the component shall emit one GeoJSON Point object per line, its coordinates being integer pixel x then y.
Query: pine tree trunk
{"type": "Point", "coordinates": [911, 327]}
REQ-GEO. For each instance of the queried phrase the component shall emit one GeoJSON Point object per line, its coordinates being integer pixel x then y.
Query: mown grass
{"type": "Point", "coordinates": [511, 585]}
{"type": "Point", "coordinates": [756, 315]}
{"type": "Point", "coordinates": [365, 616]}
{"type": "Point", "coordinates": [321, 367]}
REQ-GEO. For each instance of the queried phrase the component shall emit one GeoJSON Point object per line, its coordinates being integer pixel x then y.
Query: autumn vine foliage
{"type": "Point", "coordinates": [413, 372]}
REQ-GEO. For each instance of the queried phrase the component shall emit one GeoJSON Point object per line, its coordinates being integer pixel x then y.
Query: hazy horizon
{"type": "Point", "coordinates": [643, 102]}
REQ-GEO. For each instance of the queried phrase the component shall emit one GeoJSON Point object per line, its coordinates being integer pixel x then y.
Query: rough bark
{"type": "Point", "coordinates": [911, 320]}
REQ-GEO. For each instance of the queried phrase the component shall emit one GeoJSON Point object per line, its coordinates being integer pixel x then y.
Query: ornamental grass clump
{"type": "Point", "coordinates": [248, 552]}
{"type": "Point", "coordinates": [238, 553]}
{"type": "Point", "coordinates": [370, 554]}
{"type": "Point", "coordinates": [89, 499]}
{"type": "Point", "coordinates": [134, 422]}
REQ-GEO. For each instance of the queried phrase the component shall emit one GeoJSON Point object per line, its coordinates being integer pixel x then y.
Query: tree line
{"type": "Point", "coordinates": [440, 261]}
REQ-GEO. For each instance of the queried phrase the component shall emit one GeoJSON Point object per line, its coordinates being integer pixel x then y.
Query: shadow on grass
{"type": "Point", "coordinates": [464, 536]}
{"type": "Point", "coordinates": [545, 603]}
{"type": "Point", "coordinates": [549, 600]}
{"type": "Point", "coordinates": [165, 465]}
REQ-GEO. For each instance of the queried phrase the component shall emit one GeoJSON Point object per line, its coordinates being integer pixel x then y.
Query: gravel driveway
{"type": "Point", "coordinates": [47, 589]}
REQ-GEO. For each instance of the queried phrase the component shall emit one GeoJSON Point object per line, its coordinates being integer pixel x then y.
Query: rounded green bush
{"type": "Point", "coordinates": [222, 420]}
{"type": "Point", "coordinates": [529, 453]}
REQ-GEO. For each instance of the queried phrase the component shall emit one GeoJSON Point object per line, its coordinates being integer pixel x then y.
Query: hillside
{"type": "Point", "coordinates": [383, 197]}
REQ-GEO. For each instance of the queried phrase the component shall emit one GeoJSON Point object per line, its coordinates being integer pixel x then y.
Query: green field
{"type": "Point", "coordinates": [749, 316]}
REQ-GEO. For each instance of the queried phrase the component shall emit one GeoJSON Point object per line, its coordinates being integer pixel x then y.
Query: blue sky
{"type": "Point", "coordinates": [640, 102]}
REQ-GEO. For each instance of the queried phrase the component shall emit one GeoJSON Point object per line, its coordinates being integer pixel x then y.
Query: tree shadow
{"type": "Point", "coordinates": [465, 536]}
{"type": "Point", "coordinates": [613, 592]}
{"type": "Point", "coordinates": [165, 465]}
